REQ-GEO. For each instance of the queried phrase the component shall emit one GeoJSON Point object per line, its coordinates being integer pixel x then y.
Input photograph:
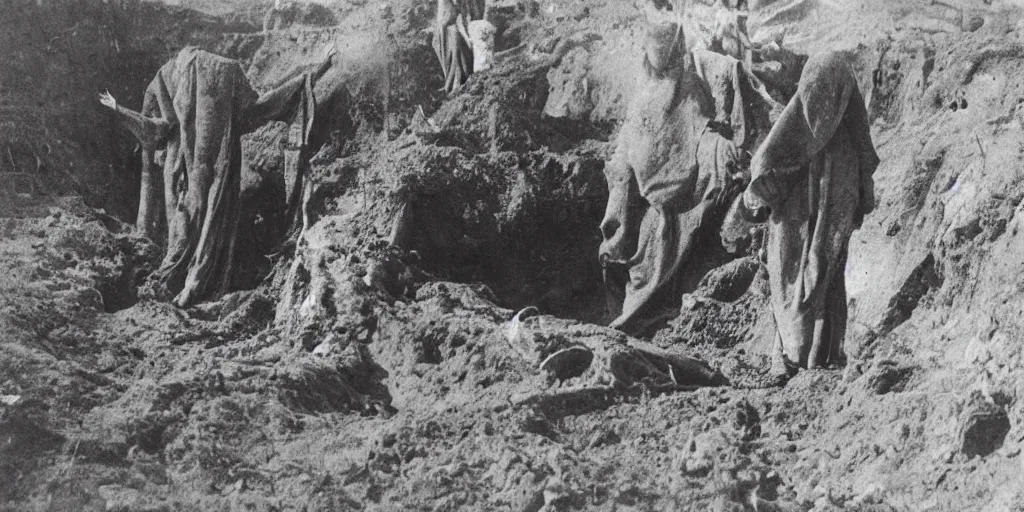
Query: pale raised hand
{"type": "Point", "coordinates": [329, 51]}
{"type": "Point", "coordinates": [108, 100]}
{"type": "Point", "coordinates": [325, 60]}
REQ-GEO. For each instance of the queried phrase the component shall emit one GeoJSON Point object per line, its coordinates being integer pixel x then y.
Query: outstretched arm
{"type": "Point", "coordinates": [325, 62]}
{"type": "Point", "coordinates": [151, 132]}
{"type": "Point", "coordinates": [279, 103]}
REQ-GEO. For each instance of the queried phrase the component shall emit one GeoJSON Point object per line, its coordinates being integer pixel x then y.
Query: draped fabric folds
{"type": "Point", "coordinates": [311, 104]}
{"type": "Point", "coordinates": [814, 172]}
{"type": "Point", "coordinates": [451, 39]}
{"type": "Point", "coordinates": [196, 109]}
{"type": "Point", "coordinates": [670, 178]}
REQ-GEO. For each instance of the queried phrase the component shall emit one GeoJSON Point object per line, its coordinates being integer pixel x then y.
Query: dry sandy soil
{"type": "Point", "coordinates": [348, 375]}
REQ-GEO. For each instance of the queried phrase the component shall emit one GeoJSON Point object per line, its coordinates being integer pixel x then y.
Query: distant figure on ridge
{"type": "Point", "coordinates": [452, 41]}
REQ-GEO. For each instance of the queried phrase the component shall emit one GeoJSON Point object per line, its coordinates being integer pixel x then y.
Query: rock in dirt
{"type": "Point", "coordinates": [568, 363]}
{"type": "Point", "coordinates": [888, 377]}
{"type": "Point", "coordinates": [746, 420]}
{"type": "Point", "coordinates": [983, 427]}
{"type": "Point", "coordinates": [924, 278]}
{"type": "Point", "coordinates": [119, 497]}
{"type": "Point", "coordinates": [604, 437]}
{"type": "Point", "coordinates": [569, 92]}
{"type": "Point", "coordinates": [763, 505]}
{"type": "Point", "coordinates": [683, 370]}
{"type": "Point", "coordinates": [519, 337]}
{"type": "Point", "coordinates": [730, 281]}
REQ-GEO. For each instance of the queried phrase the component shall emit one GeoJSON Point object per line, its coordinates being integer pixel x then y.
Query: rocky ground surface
{"type": "Point", "coordinates": [345, 374]}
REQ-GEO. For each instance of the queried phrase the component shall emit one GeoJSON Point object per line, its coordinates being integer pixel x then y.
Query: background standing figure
{"type": "Point", "coordinates": [452, 40]}
{"type": "Point", "coordinates": [481, 37]}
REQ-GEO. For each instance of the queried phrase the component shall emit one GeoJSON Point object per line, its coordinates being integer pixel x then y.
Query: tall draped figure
{"type": "Point", "coordinates": [452, 41]}
{"type": "Point", "coordinates": [674, 169]}
{"type": "Point", "coordinates": [196, 109]}
{"type": "Point", "coordinates": [814, 172]}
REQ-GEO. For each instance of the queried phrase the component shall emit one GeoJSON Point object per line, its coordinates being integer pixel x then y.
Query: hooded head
{"type": "Point", "coordinates": [665, 41]}
{"type": "Point", "coordinates": [664, 48]}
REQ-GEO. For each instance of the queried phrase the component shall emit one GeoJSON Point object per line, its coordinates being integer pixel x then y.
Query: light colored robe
{"type": "Point", "coordinates": [668, 156]}
{"type": "Point", "coordinates": [820, 157]}
{"type": "Point", "coordinates": [451, 45]}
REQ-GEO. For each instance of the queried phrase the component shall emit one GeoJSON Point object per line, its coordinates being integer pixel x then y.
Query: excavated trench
{"type": "Point", "coordinates": [538, 250]}
{"type": "Point", "coordinates": [496, 192]}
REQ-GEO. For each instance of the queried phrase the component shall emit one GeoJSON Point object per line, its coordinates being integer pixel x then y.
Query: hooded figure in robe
{"type": "Point", "coordinates": [814, 173]}
{"type": "Point", "coordinates": [452, 39]}
{"type": "Point", "coordinates": [674, 171]}
{"type": "Point", "coordinates": [196, 109]}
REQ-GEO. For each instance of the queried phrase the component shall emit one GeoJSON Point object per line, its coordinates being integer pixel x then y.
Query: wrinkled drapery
{"type": "Point", "coordinates": [669, 232]}
{"type": "Point", "coordinates": [814, 172]}
{"type": "Point", "coordinates": [311, 104]}
{"type": "Point", "coordinates": [672, 156]}
{"type": "Point", "coordinates": [451, 43]}
{"type": "Point", "coordinates": [293, 103]}
{"type": "Point", "coordinates": [196, 109]}
{"type": "Point", "coordinates": [743, 106]}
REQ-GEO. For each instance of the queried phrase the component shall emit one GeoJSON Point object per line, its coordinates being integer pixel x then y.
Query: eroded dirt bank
{"type": "Point", "coordinates": [348, 375]}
